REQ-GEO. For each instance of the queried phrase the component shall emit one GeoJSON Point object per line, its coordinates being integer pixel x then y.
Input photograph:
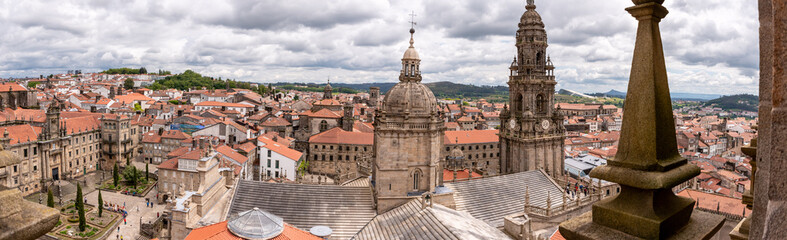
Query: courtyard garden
{"type": "Point", "coordinates": [130, 181]}
{"type": "Point", "coordinates": [81, 221]}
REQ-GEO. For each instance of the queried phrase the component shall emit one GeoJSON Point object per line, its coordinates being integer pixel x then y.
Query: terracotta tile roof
{"type": "Point", "coordinates": [464, 119]}
{"type": "Point", "coordinates": [471, 137]}
{"type": "Point", "coordinates": [219, 231]}
{"type": "Point", "coordinates": [363, 127]}
{"type": "Point", "coordinates": [557, 236]}
{"type": "Point", "coordinates": [246, 147]}
{"type": "Point", "coordinates": [448, 175]}
{"type": "Point", "coordinates": [279, 148]}
{"type": "Point", "coordinates": [451, 125]}
{"type": "Point", "coordinates": [712, 201]}
{"type": "Point", "coordinates": [80, 124]}
{"type": "Point", "coordinates": [171, 164]}
{"type": "Point", "coordinates": [175, 134]}
{"type": "Point", "coordinates": [338, 136]}
{"type": "Point", "coordinates": [36, 115]}
{"type": "Point", "coordinates": [130, 98]}
{"type": "Point", "coordinates": [276, 122]}
{"type": "Point", "coordinates": [327, 102]}
{"type": "Point", "coordinates": [232, 154]}
{"type": "Point", "coordinates": [275, 136]}
{"type": "Point", "coordinates": [323, 113]}
{"type": "Point", "coordinates": [223, 104]}
{"type": "Point", "coordinates": [21, 133]}
{"type": "Point", "coordinates": [178, 152]}
{"type": "Point", "coordinates": [10, 86]}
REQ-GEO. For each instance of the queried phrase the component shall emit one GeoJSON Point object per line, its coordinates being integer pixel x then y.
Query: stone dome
{"type": "Point", "coordinates": [531, 17]}
{"type": "Point", "coordinates": [256, 224]}
{"type": "Point", "coordinates": [410, 97]}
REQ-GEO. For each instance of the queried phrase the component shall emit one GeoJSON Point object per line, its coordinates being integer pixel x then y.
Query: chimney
{"type": "Point", "coordinates": [161, 131]}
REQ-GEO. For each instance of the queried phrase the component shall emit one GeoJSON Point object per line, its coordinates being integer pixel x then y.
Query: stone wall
{"type": "Point", "coordinates": [770, 199]}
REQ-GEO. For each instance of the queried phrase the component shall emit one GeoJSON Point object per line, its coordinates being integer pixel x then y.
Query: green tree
{"type": "Point", "coordinates": [295, 98]}
{"type": "Point", "coordinates": [100, 204]}
{"type": "Point", "coordinates": [137, 107]}
{"type": "Point", "coordinates": [142, 70]}
{"type": "Point", "coordinates": [128, 84]}
{"type": "Point", "coordinates": [80, 205]}
{"type": "Point", "coordinates": [116, 175]}
{"type": "Point", "coordinates": [32, 84]}
{"type": "Point", "coordinates": [50, 199]}
{"type": "Point", "coordinates": [131, 175]}
{"type": "Point", "coordinates": [146, 172]}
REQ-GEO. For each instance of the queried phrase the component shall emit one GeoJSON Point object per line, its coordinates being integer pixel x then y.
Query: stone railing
{"type": "Point", "coordinates": [567, 206]}
{"type": "Point", "coordinates": [728, 216]}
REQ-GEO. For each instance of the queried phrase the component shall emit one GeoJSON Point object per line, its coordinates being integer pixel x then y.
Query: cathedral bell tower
{"type": "Point", "coordinates": [531, 135]}
{"type": "Point", "coordinates": [408, 138]}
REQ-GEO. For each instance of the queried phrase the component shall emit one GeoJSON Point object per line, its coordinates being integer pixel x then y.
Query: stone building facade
{"type": "Point", "coordinates": [119, 140]}
{"type": "Point", "coordinates": [408, 138]}
{"type": "Point", "coordinates": [532, 132]}
{"type": "Point", "coordinates": [339, 149]}
{"type": "Point", "coordinates": [60, 149]}
{"type": "Point", "coordinates": [481, 149]}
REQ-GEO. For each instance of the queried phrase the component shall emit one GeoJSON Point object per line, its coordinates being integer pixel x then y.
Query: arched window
{"type": "Point", "coordinates": [518, 103]}
{"type": "Point", "coordinates": [541, 103]}
{"type": "Point", "coordinates": [416, 178]}
{"type": "Point", "coordinates": [323, 126]}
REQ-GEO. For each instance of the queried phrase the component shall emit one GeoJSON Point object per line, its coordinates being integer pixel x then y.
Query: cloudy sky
{"type": "Point", "coordinates": [711, 45]}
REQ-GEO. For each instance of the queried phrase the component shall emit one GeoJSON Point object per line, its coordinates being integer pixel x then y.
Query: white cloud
{"type": "Point", "coordinates": [468, 41]}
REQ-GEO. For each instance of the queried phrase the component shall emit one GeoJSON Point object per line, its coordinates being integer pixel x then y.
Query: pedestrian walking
{"type": "Point", "coordinates": [124, 221]}
{"type": "Point", "coordinates": [118, 229]}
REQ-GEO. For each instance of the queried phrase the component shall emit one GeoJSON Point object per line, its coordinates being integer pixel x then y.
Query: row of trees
{"type": "Point", "coordinates": [141, 70]}
{"type": "Point", "coordinates": [191, 79]}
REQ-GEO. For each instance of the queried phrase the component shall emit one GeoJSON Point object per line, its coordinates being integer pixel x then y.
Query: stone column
{"type": "Point", "coordinates": [647, 164]}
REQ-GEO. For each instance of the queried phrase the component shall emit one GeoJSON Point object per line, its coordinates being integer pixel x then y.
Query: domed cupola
{"type": "Point", "coordinates": [410, 97]}
{"type": "Point", "coordinates": [256, 224]}
{"type": "Point", "coordinates": [531, 17]}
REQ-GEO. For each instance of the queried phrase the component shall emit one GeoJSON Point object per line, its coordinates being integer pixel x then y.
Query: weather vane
{"type": "Point", "coordinates": [412, 20]}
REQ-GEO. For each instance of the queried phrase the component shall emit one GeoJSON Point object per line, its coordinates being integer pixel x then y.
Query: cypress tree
{"type": "Point", "coordinates": [80, 205]}
{"type": "Point", "coordinates": [50, 199]}
{"type": "Point", "coordinates": [100, 204]}
{"type": "Point", "coordinates": [146, 172]}
{"type": "Point", "coordinates": [115, 175]}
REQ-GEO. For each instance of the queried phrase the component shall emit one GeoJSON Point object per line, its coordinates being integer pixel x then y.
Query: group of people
{"type": "Point", "coordinates": [577, 189]}
{"type": "Point", "coordinates": [116, 208]}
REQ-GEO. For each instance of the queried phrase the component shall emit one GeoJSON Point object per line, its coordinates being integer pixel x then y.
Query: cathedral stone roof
{"type": "Point", "coordinates": [414, 98]}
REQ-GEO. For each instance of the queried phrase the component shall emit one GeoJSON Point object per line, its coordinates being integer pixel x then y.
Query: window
{"type": "Point", "coordinates": [269, 153]}
{"type": "Point", "coordinates": [277, 174]}
{"type": "Point", "coordinates": [416, 177]}
{"type": "Point", "coordinates": [269, 164]}
{"type": "Point", "coordinates": [35, 168]}
{"type": "Point", "coordinates": [323, 126]}
{"type": "Point", "coordinates": [24, 152]}
{"type": "Point", "coordinates": [35, 151]}
{"type": "Point", "coordinates": [14, 168]}
{"type": "Point", "coordinates": [277, 163]}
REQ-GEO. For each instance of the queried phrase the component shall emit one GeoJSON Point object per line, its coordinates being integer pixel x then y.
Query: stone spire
{"type": "Point", "coordinates": [411, 62]}
{"type": "Point", "coordinates": [327, 92]}
{"type": "Point", "coordinates": [647, 165]}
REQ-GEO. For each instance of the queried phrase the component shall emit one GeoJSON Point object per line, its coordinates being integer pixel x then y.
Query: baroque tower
{"type": "Point", "coordinates": [408, 138]}
{"type": "Point", "coordinates": [532, 132]}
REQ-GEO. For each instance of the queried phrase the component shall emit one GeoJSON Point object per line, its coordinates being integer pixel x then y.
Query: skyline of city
{"type": "Point", "coordinates": [466, 42]}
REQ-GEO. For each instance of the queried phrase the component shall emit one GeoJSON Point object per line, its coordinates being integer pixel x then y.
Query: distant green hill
{"type": "Point", "coordinates": [742, 102]}
{"type": "Point", "coordinates": [440, 89]}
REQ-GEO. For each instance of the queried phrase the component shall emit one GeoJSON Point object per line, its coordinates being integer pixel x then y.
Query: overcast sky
{"type": "Point", "coordinates": [711, 46]}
